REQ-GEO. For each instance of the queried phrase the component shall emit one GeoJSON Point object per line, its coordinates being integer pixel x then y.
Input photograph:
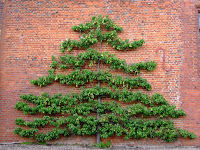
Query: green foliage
{"type": "Point", "coordinates": [84, 42]}
{"type": "Point", "coordinates": [95, 36]}
{"type": "Point", "coordinates": [84, 103]}
{"type": "Point", "coordinates": [140, 128]}
{"type": "Point", "coordinates": [110, 37]}
{"type": "Point", "coordinates": [186, 134]}
{"type": "Point", "coordinates": [78, 109]}
{"type": "Point", "coordinates": [109, 125]}
{"type": "Point", "coordinates": [96, 22]}
{"type": "Point", "coordinates": [92, 55]}
{"type": "Point", "coordinates": [33, 143]}
{"type": "Point", "coordinates": [104, 145]}
{"type": "Point", "coordinates": [26, 133]}
{"type": "Point", "coordinates": [50, 135]}
{"type": "Point", "coordinates": [114, 119]}
{"type": "Point", "coordinates": [82, 77]}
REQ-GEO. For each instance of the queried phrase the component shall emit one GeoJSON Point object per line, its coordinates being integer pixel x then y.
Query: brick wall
{"type": "Point", "coordinates": [1, 15]}
{"type": "Point", "coordinates": [33, 30]}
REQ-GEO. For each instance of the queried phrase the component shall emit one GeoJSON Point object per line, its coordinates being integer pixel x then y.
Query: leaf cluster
{"type": "Point", "coordinates": [97, 22]}
{"type": "Point", "coordinates": [104, 145]}
{"type": "Point", "coordinates": [115, 123]}
{"type": "Point", "coordinates": [92, 55]}
{"type": "Point", "coordinates": [78, 125]}
{"type": "Point", "coordinates": [114, 119]}
{"type": "Point", "coordinates": [95, 34]}
{"type": "Point", "coordinates": [109, 125]}
{"type": "Point", "coordinates": [85, 103]}
{"type": "Point", "coordinates": [85, 42]}
{"type": "Point", "coordinates": [141, 128]}
{"type": "Point", "coordinates": [79, 78]}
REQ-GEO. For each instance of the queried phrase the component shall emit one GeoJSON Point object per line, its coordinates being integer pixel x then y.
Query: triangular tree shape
{"type": "Point", "coordinates": [113, 119]}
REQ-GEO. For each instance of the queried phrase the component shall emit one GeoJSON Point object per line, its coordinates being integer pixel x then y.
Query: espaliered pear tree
{"type": "Point", "coordinates": [132, 121]}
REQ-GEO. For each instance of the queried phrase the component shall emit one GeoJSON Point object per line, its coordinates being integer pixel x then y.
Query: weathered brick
{"type": "Point", "coordinates": [33, 30]}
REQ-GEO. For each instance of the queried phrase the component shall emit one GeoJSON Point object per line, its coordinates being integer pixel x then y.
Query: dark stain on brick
{"type": "Point", "coordinates": [34, 59]}
{"type": "Point", "coordinates": [110, 11]}
{"type": "Point", "coordinates": [39, 3]}
{"type": "Point", "coordinates": [81, 3]}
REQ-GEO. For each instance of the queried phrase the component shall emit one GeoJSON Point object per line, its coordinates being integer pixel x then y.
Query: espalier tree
{"type": "Point", "coordinates": [132, 121]}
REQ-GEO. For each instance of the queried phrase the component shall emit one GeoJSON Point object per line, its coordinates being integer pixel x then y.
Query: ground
{"type": "Point", "coordinates": [84, 147]}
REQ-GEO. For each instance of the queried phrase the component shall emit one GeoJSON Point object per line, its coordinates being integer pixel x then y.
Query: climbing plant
{"type": "Point", "coordinates": [131, 121]}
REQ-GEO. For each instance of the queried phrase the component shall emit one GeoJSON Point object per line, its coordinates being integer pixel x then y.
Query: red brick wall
{"type": "Point", "coordinates": [1, 15]}
{"type": "Point", "coordinates": [190, 70]}
{"type": "Point", "coordinates": [33, 30]}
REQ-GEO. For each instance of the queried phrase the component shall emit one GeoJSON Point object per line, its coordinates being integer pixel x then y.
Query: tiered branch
{"type": "Point", "coordinates": [114, 119]}
{"type": "Point", "coordinates": [78, 109]}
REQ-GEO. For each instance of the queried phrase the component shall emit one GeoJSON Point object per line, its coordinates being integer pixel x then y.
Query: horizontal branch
{"type": "Point", "coordinates": [109, 125]}
{"type": "Point", "coordinates": [73, 103]}
{"type": "Point", "coordinates": [79, 78]}
{"type": "Point", "coordinates": [110, 59]}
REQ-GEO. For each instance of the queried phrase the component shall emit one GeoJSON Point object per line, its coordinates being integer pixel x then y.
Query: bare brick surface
{"type": "Point", "coordinates": [1, 15]}
{"type": "Point", "coordinates": [33, 30]}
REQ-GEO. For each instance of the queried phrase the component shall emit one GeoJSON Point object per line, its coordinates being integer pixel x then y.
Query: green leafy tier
{"type": "Point", "coordinates": [147, 117]}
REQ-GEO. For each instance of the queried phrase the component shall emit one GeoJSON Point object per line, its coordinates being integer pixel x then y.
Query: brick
{"type": "Point", "coordinates": [33, 30]}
